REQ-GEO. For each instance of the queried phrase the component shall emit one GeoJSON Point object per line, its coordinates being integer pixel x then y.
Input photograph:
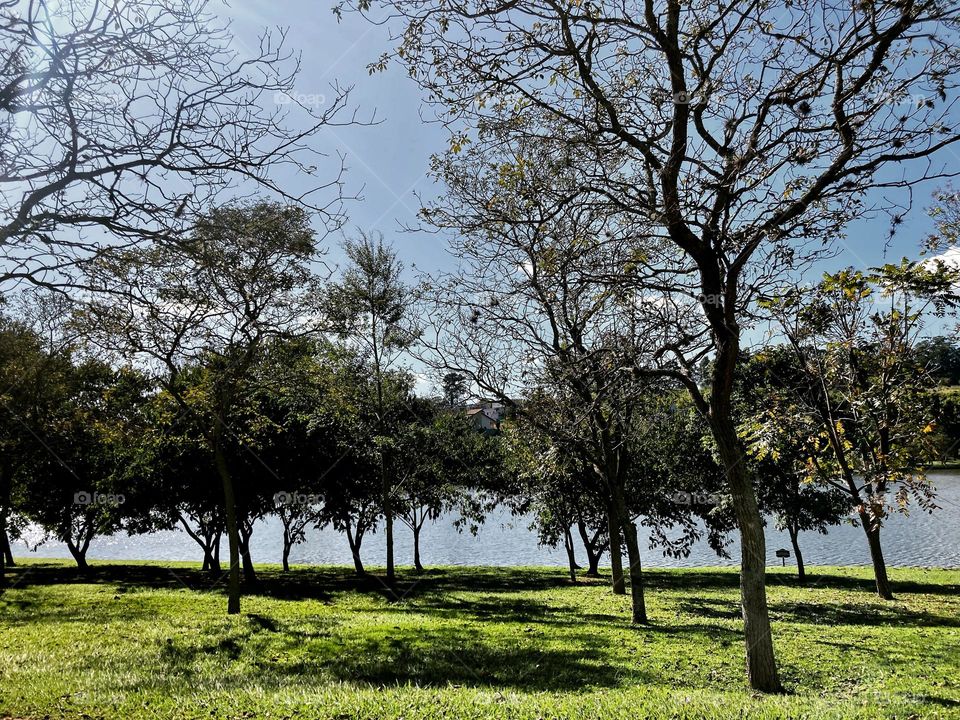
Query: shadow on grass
{"type": "Point", "coordinates": [489, 633]}
{"type": "Point", "coordinates": [319, 651]}
{"type": "Point", "coordinates": [876, 614]}
{"type": "Point", "coordinates": [869, 613]}
{"type": "Point", "coordinates": [487, 594]}
{"type": "Point", "coordinates": [816, 579]}
{"type": "Point", "coordinates": [304, 582]}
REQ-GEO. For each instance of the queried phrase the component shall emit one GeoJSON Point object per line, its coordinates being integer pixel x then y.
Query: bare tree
{"type": "Point", "coordinates": [740, 133]}
{"type": "Point", "coordinates": [121, 120]}
{"type": "Point", "coordinates": [530, 307]}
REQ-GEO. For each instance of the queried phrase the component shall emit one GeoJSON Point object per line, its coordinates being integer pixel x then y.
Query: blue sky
{"type": "Point", "coordinates": [390, 160]}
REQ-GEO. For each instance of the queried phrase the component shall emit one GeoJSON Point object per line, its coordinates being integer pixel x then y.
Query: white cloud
{"type": "Point", "coordinates": [949, 257]}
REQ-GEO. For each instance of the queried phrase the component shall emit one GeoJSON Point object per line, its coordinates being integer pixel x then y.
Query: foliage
{"type": "Point", "coordinates": [866, 405]}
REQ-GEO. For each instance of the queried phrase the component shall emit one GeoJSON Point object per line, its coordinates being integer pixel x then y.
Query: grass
{"type": "Point", "coordinates": [153, 641]}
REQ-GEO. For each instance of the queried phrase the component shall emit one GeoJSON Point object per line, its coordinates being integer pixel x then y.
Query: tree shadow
{"type": "Point", "coordinates": [873, 614]}
{"type": "Point", "coordinates": [275, 653]}
{"type": "Point", "coordinates": [834, 581]}
{"type": "Point", "coordinates": [312, 583]}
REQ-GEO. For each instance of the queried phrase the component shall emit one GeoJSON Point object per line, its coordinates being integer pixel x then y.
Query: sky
{"type": "Point", "coordinates": [386, 162]}
{"type": "Point", "coordinates": [389, 161]}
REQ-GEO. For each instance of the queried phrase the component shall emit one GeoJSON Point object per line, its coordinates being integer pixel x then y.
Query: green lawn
{"type": "Point", "coordinates": [153, 641]}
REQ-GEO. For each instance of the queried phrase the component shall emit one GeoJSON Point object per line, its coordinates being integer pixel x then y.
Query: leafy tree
{"type": "Point", "coordinates": [442, 465]}
{"type": "Point", "coordinates": [527, 308]}
{"type": "Point", "coordinates": [799, 505]}
{"type": "Point", "coordinates": [301, 434]}
{"type": "Point", "coordinates": [870, 401]}
{"type": "Point", "coordinates": [368, 308]}
{"type": "Point", "coordinates": [352, 486]}
{"type": "Point", "coordinates": [215, 298]}
{"type": "Point", "coordinates": [85, 483]}
{"type": "Point", "coordinates": [940, 357]}
{"type": "Point", "coordinates": [32, 376]}
{"type": "Point", "coordinates": [454, 388]}
{"type": "Point", "coordinates": [775, 434]}
{"type": "Point", "coordinates": [559, 493]}
{"type": "Point", "coordinates": [947, 432]}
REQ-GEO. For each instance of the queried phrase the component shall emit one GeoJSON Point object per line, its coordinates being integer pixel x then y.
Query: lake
{"type": "Point", "coordinates": [922, 539]}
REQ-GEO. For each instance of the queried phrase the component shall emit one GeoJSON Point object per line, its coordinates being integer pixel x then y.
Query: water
{"type": "Point", "coordinates": [925, 540]}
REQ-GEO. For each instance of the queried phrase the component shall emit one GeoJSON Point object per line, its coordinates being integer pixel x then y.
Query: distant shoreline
{"type": "Point", "coordinates": [375, 569]}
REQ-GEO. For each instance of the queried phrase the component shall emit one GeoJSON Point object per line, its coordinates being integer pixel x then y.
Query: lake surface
{"type": "Point", "coordinates": [921, 539]}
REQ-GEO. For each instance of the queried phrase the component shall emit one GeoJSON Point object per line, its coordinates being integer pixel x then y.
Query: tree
{"type": "Point", "coordinates": [558, 492]}
{"type": "Point", "coordinates": [368, 307]}
{"type": "Point", "coordinates": [940, 357]}
{"type": "Point", "coordinates": [352, 487]}
{"type": "Point", "coordinates": [80, 482]}
{"type": "Point", "coordinates": [737, 140]}
{"type": "Point", "coordinates": [799, 506]}
{"type": "Point", "coordinates": [857, 373]}
{"type": "Point", "coordinates": [529, 309]}
{"type": "Point", "coordinates": [215, 298]}
{"type": "Point", "coordinates": [32, 375]}
{"type": "Point", "coordinates": [183, 478]}
{"type": "Point", "coordinates": [298, 432]}
{"type": "Point", "coordinates": [443, 464]}
{"type": "Point", "coordinates": [123, 120]}
{"type": "Point", "coordinates": [775, 430]}
{"type": "Point", "coordinates": [454, 388]}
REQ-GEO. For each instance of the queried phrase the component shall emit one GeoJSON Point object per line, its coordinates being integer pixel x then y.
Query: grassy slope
{"type": "Point", "coordinates": [148, 641]}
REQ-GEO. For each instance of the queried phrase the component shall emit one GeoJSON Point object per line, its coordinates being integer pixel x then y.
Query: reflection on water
{"type": "Point", "coordinates": [918, 540]}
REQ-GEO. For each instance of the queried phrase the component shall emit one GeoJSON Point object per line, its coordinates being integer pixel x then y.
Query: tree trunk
{"type": "Point", "coordinates": [215, 568]}
{"type": "Point", "coordinates": [286, 548]}
{"type": "Point", "coordinates": [233, 534]}
{"type": "Point", "coordinates": [355, 551]}
{"type": "Point", "coordinates": [571, 557]}
{"type": "Point", "coordinates": [249, 573]}
{"type": "Point", "coordinates": [6, 557]}
{"type": "Point", "coordinates": [202, 537]}
{"type": "Point", "coordinates": [79, 554]}
{"type": "Point", "coordinates": [761, 662]}
{"type": "Point", "coordinates": [391, 571]}
{"type": "Point", "coordinates": [801, 573]}
{"type": "Point", "coordinates": [876, 556]}
{"type": "Point", "coordinates": [7, 550]}
{"type": "Point", "coordinates": [590, 546]}
{"type": "Point", "coordinates": [616, 559]}
{"type": "Point", "coordinates": [418, 566]}
{"type": "Point", "coordinates": [388, 521]}
{"type": "Point", "coordinates": [6, 553]}
{"type": "Point", "coordinates": [639, 604]}
{"type": "Point", "coordinates": [636, 575]}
